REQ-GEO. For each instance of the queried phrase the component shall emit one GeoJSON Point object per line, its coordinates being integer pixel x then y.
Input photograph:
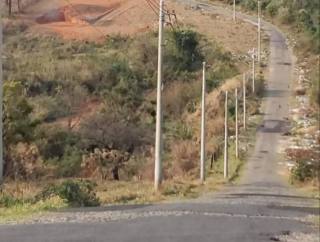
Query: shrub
{"type": "Point", "coordinates": [14, 27]}
{"type": "Point", "coordinates": [302, 171]}
{"type": "Point", "coordinates": [75, 193]}
{"type": "Point", "coordinates": [52, 142]}
{"type": "Point", "coordinates": [117, 41]}
{"type": "Point", "coordinates": [112, 129]}
{"type": "Point", "coordinates": [285, 15]}
{"type": "Point", "coordinates": [178, 95]}
{"type": "Point", "coordinates": [184, 131]}
{"type": "Point", "coordinates": [70, 164]}
{"type": "Point", "coordinates": [18, 125]}
{"type": "Point", "coordinates": [272, 8]}
{"type": "Point", "coordinates": [185, 155]}
{"type": "Point", "coordinates": [7, 201]}
{"type": "Point", "coordinates": [306, 164]}
{"type": "Point", "coordinates": [250, 4]}
{"type": "Point", "coordinates": [186, 43]}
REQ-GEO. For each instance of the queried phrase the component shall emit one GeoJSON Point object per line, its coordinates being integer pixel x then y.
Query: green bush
{"type": "Point", "coordinates": [272, 8]}
{"type": "Point", "coordinates": [219, 73]}
{"type": "Point", "coordinates": [53, 142]}
{"type": "Point", "coordinates": [182, 131]}
{"type": "Point", "coordinates": [70, 164]}
{"type": "Point", "coordinates": [18, 124]}
{"type": "Point", "coordinates": [250, 4]}
{"type": "Point", "coordinates": [188, 56]}
{"type": "Point", "coordinates": [60, 78]}
{"type": "Point", "coordinates": [7, 201]}
{"type": "Point", "coordinates": [75, 193]}
{"type": "Point", "coordinates": [303, 171]}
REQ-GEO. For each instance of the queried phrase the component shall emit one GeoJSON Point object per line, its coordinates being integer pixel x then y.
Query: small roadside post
{"type": "Point", "coordinates": [244, 101]}
{"type": "Point", "coordinates": [237, 127]}
{"type": "Point", "coordinates": [226, 137]}
{"type": "Point", "coordinates": [203, 123]}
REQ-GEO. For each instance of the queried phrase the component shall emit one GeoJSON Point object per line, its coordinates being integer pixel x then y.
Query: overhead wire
{"type": "Point", "coordinates": [154, 6]}
{"type": "Point", "coordinates": [157, 5]}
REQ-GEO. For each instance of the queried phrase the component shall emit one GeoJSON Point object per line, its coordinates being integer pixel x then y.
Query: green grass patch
{"type": "Point", "coordinates": [23, 210]}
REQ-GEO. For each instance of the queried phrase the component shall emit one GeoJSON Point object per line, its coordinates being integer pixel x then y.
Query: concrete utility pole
{"type": "Point", "coordinates": [1, 102]}
{"type": "Point", "coordinates": [237, 127]}
{"type": "Point", "coordinates": [226, 138]}
{"type": "Point", "coordinates": [244, 101]}
{"type": "Point", "coordinates": [259, 32]}
{"type": "Point", "coordinates": [253, 70]}
{"type": "Point", "coordinates": [234, 10]}
{"type": "Point", "coordinates": [158, 143]}
{"type": "Point", "coordinates": [203, 124]}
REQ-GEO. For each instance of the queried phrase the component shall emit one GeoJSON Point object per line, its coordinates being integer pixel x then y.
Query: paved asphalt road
{"type": "Point", "coordinates": [261, 208]}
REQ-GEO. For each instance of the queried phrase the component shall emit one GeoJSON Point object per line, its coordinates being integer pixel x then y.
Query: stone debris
{"type": "Point", "coordinates": [305, 134]}
{"type": "Point", "coordinates": [109, 216]}
{"type": "Point", "coordinates": [300, 237]}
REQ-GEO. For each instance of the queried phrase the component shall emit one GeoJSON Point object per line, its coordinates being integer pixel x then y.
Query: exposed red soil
{"type": "Point", "coordinates": [90, 20]}
{"type": "Point", "coordinates": [93, 20]}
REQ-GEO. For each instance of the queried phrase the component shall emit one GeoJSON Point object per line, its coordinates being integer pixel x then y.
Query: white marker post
{"type": "Point", "coordinates": [226, 138]}
{"type": "Point", "coordinates": [244, 101]}
{"type": "Point", "coordinates": [203, 123]}
{"type": "Point", "coordinates": [158, 142]}
{"type": "Point", "coordinates": [234, 10]}
{"type": "Point", "coordinates": [253, 70]}
{"type": "Point", "coordinates": [237, 127]}
{"type": "Point", "coordinates": [259, 32]}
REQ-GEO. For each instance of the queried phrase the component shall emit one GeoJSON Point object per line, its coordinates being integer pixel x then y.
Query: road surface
{"type": "Point", "coordinates": [261, 208]}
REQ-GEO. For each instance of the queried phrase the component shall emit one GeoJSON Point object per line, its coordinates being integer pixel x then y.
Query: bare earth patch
{"type": "Point", "coordinates": [95, 19]}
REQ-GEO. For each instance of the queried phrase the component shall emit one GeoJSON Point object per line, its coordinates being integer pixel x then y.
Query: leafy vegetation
{"type": "Point", "coordinates": [306, 164]}
{"type": "Point", "coordinates": [75, 193]}
{"type": "Point", "coordinates": [303, 15]}
{"type": "Point", "coordinates": [88, 109]}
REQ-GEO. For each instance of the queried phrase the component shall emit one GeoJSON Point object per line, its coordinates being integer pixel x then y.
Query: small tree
{"type": "Point", "coordinates": [112, 132]}
{"type": "Point", "coordinates": [9, 6]}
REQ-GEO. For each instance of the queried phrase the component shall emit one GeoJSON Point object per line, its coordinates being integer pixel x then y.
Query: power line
{"type": "Point", "coordinates": [151, 3]}
{"type": "Point", "coordinates": [155, 8]}
{"type": "Point", "coordinates": [152, 7]}
{"type": "Point", "coordinates": [165, 11]}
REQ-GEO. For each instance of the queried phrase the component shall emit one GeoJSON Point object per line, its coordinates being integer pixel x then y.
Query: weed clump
{"type": "Point", "coordinates": [75, 193]}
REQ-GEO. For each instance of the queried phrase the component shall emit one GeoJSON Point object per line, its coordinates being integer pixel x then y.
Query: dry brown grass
{"type": "Point", "coordinates": [185, 155]}
{"type": "Point", "coordinates": [177, 95]}
{"type": "Point", "coordinates": [22, 189]}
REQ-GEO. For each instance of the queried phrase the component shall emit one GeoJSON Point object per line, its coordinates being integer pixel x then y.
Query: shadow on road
{"type": "Point", "coordinates": [274, 93]}
{"type": "Point", "coordinates": [274, 126]}
{"type": "Point", "coordinates": [268, 195]}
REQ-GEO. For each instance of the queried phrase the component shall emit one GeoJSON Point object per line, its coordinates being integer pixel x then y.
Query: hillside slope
{"type": "Point", "coordinates": [96, 19]}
